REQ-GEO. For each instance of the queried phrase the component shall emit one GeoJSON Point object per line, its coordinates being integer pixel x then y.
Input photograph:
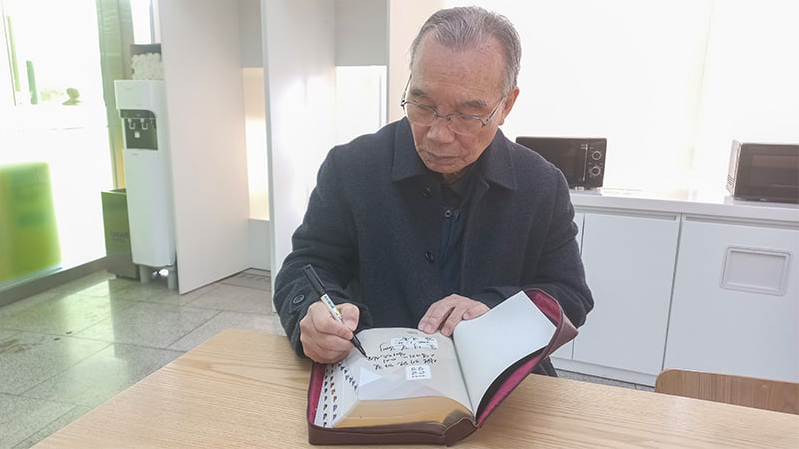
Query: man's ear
{"type": "Point", "coordinates": [509, 102]}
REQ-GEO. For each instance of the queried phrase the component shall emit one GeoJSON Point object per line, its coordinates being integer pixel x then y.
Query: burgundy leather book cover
{"type": "Point", "coordinates": [436, 433]}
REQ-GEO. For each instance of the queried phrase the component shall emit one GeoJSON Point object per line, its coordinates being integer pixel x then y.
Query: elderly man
{"type": "Point", "coordinates": [437, 217]}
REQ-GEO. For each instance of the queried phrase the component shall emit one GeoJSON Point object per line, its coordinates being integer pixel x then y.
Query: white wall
{"type": "Point", "coordinates": [255, 125]}
{"type": "Point", "coordinates": [299, 62]}
{"type": "Point", "coordinates": [669, 83]}
{"type": "Point", "coordinates": [360, 101]}
{"type": "Point", "coordinates": [361, 32]}
{"type": "Point", "coordinates": [627, 70]}
{"type": "Point", "coordinates": [252, 61]}
{"type": "Point", "coordinates": [404, 20]}
{"type": "Point", "coordinates": [202, 73]}
{"type": "Point", "coordinates": [250, 32]}
{"type": "Point", "coordinates": [751, 83]}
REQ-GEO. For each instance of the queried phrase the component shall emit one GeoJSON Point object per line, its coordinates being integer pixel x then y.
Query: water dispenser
{"type": "Point", "coordinates": [148, 174]}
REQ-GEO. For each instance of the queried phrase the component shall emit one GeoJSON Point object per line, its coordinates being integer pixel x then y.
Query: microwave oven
{"type": "Point", "coordinates": [764, 172]}
{"type": "Point", "coordinates": [581, 159]}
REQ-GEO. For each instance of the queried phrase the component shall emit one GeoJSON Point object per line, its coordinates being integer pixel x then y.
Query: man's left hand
{"type": "Point", "coordinates": [445, 314]}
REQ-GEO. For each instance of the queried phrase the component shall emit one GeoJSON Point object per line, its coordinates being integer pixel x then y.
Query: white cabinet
{"type": "Point", "coordinates": [686, 280]}
{"type": "Point", "coordinates": [629, 261]}
{"type": "Point", "coordinates": [579, 217]}
{"type": "Point", "coordinates": [735, 307]}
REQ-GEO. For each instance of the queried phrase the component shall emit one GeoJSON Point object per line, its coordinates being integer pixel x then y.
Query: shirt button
{"type": "Point", "coordinates": [298, 299]}
{"type": "Point", "coordinates": [429, 257]}
{"type": "Point", "coordinates": [448, 213]}
{"type": "Point", "coordinates": [426, 192]}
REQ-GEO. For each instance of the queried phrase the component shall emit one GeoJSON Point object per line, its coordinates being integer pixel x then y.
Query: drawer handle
{"type": "Point", "coordinates": [756, 270]}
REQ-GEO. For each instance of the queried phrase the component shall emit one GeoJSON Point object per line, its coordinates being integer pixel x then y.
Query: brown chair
{"type": "Point", "coordinates": [746, 391]}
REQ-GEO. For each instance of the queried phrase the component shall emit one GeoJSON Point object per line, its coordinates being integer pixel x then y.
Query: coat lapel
{"type": "Point", "coordinates": [497, 179]}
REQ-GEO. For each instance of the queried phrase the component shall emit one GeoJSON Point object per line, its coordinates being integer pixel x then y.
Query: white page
{"type": "Point", "coordinates": [392, 352]}
{"type": "Point", "coordinates": [401, 363]}
{"type": "Point", "coordinates": [337, 395]}
{"type": "Point", "coordinates": [489, 344]}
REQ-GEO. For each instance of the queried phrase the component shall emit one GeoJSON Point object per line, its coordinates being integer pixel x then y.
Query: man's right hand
{"type": "Point", "coordinates": [325, 340]}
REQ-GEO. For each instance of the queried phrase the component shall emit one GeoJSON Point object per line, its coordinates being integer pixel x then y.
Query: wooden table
{"type": "Point", "coordinates": [248, 389]}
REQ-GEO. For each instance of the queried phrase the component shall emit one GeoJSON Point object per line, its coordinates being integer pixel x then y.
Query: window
{"type": "Point", "coordinates": [52, 110]}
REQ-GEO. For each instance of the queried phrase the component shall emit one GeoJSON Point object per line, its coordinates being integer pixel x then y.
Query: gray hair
{"type": "Point", "coordinates": [467, 27]}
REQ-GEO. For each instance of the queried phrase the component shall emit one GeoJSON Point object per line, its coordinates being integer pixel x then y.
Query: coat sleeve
{"type": "Point", "coordinates": [326, 240]}
{"type": "Point", "coordinates": [560, 271]}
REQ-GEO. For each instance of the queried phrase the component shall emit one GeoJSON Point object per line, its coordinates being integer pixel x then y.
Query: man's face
{"type": "Point", "coordinates": [457, 81]}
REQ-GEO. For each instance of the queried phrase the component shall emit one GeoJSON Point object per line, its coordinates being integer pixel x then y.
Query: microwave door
{"type": "Point", "coordinates": [766, 172]}
{"type": "Point", "coordinates": [774, 176]}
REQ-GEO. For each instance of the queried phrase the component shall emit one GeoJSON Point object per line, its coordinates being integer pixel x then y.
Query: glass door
{"type": "Point", "coordinates": [54, 142]}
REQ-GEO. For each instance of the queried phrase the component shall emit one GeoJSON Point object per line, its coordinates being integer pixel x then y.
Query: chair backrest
{"type": "Point", "coordinates": [739, 390]}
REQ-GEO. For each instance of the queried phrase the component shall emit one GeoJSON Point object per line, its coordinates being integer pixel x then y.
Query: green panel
{"type": "Point", "coordinates": [28, 231]}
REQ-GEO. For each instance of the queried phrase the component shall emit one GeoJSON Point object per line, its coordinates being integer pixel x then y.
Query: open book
{"type": "Point", "coordinates": [414, 387]}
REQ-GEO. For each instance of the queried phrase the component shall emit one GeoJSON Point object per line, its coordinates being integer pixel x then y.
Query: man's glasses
{"type": "Point", "coordinates": [422, 115]}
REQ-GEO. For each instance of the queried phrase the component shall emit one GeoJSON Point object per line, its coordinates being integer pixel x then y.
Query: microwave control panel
{"type": "Point", "coordinates": [581, 159]}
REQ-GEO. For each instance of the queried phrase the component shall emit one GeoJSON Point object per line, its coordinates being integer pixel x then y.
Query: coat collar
{"type": "Point", "coordinates": [494, 165]}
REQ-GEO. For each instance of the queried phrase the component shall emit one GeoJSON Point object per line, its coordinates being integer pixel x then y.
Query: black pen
{"type": "Point", "coordinates": [316, 283]}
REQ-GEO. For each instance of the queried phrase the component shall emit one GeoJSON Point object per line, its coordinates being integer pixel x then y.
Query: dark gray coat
{"type": "Point", "coordinates": [373, 228]}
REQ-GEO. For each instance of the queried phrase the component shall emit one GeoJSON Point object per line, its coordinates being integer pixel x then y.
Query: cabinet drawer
{"type": "Point", "coordinates": [735, 307]}
{"type": "Point", "coordinates": [629, 262]}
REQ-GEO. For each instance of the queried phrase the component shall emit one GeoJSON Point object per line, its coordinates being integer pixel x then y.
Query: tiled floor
{"type": "Point", "coordinates": [67, 350]}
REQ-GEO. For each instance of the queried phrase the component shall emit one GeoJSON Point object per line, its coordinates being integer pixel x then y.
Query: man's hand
{"type": "Point", "coordinates": [325, 340]}
{"type": "Point", "coordinates": [445, 314]}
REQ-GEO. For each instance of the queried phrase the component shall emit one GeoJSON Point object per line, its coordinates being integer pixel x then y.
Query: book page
{"type": "Point", "coordinates": [337, 395]}
{"type": "Point", "coordinates": [402, 364]}
{"type": "Point", "coordinates": [489, 344]}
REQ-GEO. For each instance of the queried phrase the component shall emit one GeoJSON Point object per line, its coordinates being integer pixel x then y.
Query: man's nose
{"type": "Point", "coordinates": [439, 130]}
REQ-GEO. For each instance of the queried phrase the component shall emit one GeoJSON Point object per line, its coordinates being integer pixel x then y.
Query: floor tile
{"type": "Point", "coordinates": [146, 324]}
{"type": "Point", "coordinates": [225, 320]}
{"type": "Point", "coordinates": [252, 278]}
{"type": "Point", "coordinates": [102, 287]}
{"type": "Point", "coordinates": [53, 426]}
{"type": "Point", "coordinates": [157, 293]}
{"type": "Point", "coordinates": [84, 282]}
{"type": "Point", "coordinates": [65, 315]}
{"type": "Point", "coordinates": [103, 375]}
{"type": "Point", "coordinates": [24, 416]}
{"type": "Point", "coordinates": [7, 333]}
{"type": "Point", "coordinates": [27, 359]}
{"type": "Point", "coordinates": [32, 301]}
{"type": "Point", "coordinates": [236, 299]}
{"type": "Point", "coordinates": [152, 292]}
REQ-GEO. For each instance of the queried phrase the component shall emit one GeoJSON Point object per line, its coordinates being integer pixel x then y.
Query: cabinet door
{"type": "Point", "coordinates": [629, 263]}
{"type": "Point", "coordinates": [735, 301]}
{"type": "Point", "coordinates": [565, 351]}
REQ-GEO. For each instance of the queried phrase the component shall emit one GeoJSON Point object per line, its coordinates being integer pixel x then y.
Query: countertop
{"type": "Point", "coordinates": [685, 201]}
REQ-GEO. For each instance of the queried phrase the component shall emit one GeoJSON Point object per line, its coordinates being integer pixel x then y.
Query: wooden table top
{"type": "Point", "coordinates": [248, 389]}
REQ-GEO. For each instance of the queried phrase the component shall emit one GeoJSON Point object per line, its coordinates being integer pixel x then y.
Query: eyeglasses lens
{"type": "Point", "coordinates": [461, 124]}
